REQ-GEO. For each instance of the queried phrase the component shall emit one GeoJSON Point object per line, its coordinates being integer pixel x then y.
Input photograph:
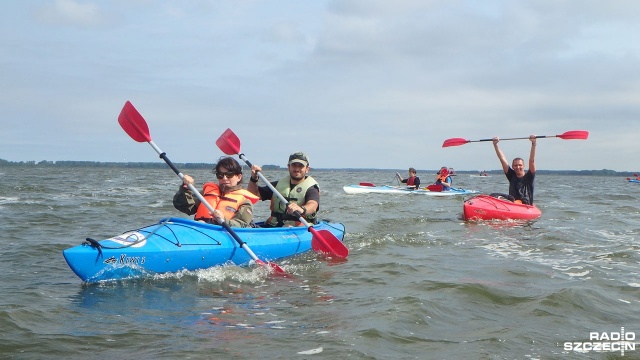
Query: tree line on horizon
{"type": "Point", "coordinates": [150, 165]}
{"type": "Point", "coordinates": [155, 165]}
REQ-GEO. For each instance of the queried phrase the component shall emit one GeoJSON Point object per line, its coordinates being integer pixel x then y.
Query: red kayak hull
{"type": "Point", "coordinates": [485, 207]}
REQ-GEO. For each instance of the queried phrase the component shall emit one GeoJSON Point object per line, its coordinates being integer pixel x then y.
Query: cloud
{"type": "Point", "coordinates": [384, 82]}
{"type": "Point", "coordinates": [72, 13]}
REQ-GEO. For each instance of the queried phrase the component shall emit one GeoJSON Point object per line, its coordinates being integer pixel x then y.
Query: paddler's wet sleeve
{"type": "Point", "coordinates": [185, 202]}
{"type": "Point", "coordinates": [243, 217]}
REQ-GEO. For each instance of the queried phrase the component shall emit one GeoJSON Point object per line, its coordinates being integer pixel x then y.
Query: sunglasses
{"type": "Point", "coordinates": [228, 174]}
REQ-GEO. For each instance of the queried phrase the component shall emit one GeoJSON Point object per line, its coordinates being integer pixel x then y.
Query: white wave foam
{"type": "Point", "coordinates": [7, 200]}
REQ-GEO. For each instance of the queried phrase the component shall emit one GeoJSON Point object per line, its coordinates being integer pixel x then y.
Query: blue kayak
{"type": "Point", "coordinates": [634, 180]}
{"type": "Point", "coordinates": [175, 244]}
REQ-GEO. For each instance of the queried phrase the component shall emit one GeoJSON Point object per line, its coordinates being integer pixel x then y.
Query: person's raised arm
{"type": "Point", "coordinates": [501, 157]}
{"type": "Point", "coordinates": [532, 154]}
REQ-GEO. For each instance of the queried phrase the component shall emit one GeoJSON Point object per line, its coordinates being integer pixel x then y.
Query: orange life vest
{"type": "Point", "coordinates": [228, 204]}
{"type": "Point", "coordinates": [444, 174]}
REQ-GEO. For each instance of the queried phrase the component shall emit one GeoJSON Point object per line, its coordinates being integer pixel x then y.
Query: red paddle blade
{"type": "Point", "coordinates": [454, 142]}
{"type": "Point", "coordinates": [574, 135]}
{"type": "Point", "coordinates": [229, 143]}
{"type": "Point", "coordinates": [133, 123]}
{"type": "Point", "coordinates": [435, 187]}
{"type": "Point", "coordinates": [326, 242]}
{"type": "Point", "coordinates": [275, 267]}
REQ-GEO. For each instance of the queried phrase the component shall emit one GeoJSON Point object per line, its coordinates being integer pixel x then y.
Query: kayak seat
{"type": "Point", "coordinates": [503, 196]}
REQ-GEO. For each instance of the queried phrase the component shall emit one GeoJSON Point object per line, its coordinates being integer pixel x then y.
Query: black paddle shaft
{"type": "Point", "coordinates": [164, 157]}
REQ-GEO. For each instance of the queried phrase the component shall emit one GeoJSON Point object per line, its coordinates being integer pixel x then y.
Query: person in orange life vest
{"type": "Point", "coordinates": [412, 181]}
{"type": "Point", "coordinates": [443, 178]}
{"type": "Point", "coordinates": [520, 183]}
{"type": "Point", "coordinates": [231, 202]}
{"type": "Point", "coordinates": [301, 191]}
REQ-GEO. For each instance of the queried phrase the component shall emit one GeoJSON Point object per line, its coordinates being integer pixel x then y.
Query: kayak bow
{"type": "Point", "coordinates": [485, 207]}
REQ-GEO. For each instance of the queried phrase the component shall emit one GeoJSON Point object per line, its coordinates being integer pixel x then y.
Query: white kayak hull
{"type": "Point", "coordinates": [385, 189]}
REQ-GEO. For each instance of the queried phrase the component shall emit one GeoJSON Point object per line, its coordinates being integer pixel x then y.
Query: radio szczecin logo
{"type": "Point", "coordinates": [605, 342]}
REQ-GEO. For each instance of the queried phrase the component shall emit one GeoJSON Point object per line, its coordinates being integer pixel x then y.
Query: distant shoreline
{"type": "Point", "coordinates": [156, 165]}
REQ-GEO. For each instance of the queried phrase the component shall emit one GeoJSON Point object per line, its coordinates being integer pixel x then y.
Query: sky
{"type": "Point", "coordinates": [352, 83]}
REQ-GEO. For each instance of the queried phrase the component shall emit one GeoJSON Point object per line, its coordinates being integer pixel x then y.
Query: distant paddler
{"type": "Point", "coordinates": [413, 182]}
{"type": "Point", "coordinates": [443, 177]}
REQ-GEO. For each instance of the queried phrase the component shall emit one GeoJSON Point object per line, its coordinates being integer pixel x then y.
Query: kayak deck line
{"type": "Point", "coordinates": [497, 204]}
{"type": "Point", "coordinates": [122, 239]}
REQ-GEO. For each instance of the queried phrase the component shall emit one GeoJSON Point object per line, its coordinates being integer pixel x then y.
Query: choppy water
{"type": "Point", "coordinates": [419, 282]}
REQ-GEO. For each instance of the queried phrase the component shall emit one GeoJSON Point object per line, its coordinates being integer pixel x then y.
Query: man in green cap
{"type": "Point", "coordinates": [301, 191]}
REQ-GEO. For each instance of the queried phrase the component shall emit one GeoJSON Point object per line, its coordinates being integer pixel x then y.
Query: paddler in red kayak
{"type": "Point", "coordinates": [520, 182]}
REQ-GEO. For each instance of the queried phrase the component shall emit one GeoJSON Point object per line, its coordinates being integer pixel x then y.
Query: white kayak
{"type": "Point", "coordinates": [386, 189]}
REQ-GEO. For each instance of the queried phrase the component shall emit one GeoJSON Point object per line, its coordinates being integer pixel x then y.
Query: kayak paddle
{"type": "Point", "coordinates": [569, 135]}
{"type": "Point", "coordinates": [322, 240]}
{"type": "Point", "coordinates": [136, 127]}
{"type": "Point", "coordinates": [435, 187]}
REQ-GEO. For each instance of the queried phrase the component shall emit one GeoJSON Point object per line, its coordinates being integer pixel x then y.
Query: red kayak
{"type": "Point", "coordinates": [485, 207]}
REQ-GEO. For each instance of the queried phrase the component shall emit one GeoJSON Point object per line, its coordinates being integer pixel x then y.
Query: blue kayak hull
{"type": "Point", "coordinates": [176, 244]}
